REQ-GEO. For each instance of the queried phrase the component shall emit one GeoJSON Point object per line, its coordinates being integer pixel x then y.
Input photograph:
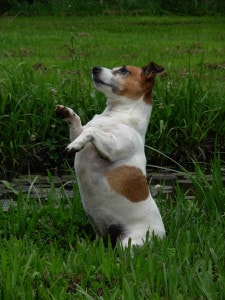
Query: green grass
{"type": "Point", "coordinates": [47, 250]}
{"type": "Point", "coordinates": [48, 60]}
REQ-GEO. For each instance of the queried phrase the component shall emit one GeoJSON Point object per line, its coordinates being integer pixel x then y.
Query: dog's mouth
{"type": "Point", "coordinates": [96, 71]}
{"type": "Point", "coordinates": [100, 81]}
{"type": "Point", "coordinates": [103, 80]}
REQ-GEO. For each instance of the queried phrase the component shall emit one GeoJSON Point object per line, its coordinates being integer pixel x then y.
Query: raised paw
{"type": "Point", "coordinates": [64, 112]}
{"type": "Point", "coordinates": [74, 147]}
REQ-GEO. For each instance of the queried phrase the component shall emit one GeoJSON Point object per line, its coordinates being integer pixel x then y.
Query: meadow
{"type": "Point", "coordinates": [47, 248]}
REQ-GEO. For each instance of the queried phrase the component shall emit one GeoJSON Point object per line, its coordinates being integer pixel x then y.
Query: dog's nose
{"type": "Point", "coordinates": [96, 70]}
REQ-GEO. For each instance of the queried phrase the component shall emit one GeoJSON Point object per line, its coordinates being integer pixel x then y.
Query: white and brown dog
{"type": "Point", "coordinates": [110, 162]}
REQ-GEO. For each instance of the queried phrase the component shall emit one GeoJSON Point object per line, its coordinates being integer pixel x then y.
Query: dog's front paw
{"type": "Point", "coordinates": [64, 112]}
{"type": "Point", "coordinates": [74, 147]}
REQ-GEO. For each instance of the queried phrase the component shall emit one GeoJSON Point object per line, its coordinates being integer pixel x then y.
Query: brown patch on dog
{"type": "Point", "coordinates": [129, 182]}
{"type": "Point", "coordinates": [139, 82]}
{"type": "Point", "coordinates": [131, 84]}
{"type": "Point", "coordinates": [148, 93]}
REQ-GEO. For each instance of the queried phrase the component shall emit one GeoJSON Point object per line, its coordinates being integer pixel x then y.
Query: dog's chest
{"type": "Point", "coordinates": [90, 169]}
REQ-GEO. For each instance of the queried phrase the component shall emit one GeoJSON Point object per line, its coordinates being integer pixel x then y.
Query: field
{"type": "Point", "coordinates": [49, 60]}
{"type": "Point", "coordinates": [47, 248]}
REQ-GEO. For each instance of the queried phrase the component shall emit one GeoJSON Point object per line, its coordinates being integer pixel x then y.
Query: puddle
{"type": "Point", "coordinates": [41, 187]}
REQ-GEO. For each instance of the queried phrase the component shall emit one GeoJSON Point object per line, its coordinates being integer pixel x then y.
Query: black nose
{"type": "Point", "coordinates": [96, 70]}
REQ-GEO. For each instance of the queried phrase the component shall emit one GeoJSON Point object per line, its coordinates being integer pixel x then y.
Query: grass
{"type": "Point", "coordinates": [53, 65]}
{"type": "Point", "coordinates": [106, 7]}
{"type": "Point", "coordinates": [47, 250]}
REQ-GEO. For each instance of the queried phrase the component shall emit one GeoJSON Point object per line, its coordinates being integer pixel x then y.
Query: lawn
{"type": "Point", "coordinates": [47, 248]}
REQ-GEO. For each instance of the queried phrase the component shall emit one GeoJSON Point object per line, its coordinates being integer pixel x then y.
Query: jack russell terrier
{"type": "Point", "coordinates": [110, 162]}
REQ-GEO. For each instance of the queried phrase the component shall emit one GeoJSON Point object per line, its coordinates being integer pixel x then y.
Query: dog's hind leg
{"type": "Point", "coordinates": [71, 118]}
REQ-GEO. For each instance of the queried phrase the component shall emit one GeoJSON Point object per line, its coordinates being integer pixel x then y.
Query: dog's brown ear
{"type": "Point", "coordinates": [151, 70]}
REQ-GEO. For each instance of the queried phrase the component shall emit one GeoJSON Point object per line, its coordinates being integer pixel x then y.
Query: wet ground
{"type": "Point", "coordinates": [41, 187]}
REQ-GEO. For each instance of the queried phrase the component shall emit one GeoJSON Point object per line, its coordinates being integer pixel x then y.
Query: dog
{"type": "Point", "coordinates": [110, 162]}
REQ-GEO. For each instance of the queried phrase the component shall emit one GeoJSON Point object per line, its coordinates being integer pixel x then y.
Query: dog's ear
{"type": "Point", "coordinates": [151, 70]}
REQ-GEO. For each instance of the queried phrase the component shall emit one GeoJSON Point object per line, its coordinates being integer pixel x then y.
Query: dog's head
{"type": "Point", "coordinates": [127, 82]}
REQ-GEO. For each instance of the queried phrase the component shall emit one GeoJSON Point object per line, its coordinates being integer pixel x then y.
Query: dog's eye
{"type": "Point", "coordinates": [123, 70]}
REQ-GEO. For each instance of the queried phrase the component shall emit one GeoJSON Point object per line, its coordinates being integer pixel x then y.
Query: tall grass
{"type": "Point", "coordinates": [55, 67]}
{"type": "Point", "coordinates": [189, 115]}
{"type": "Point", "coordinates": [46, 252]}
{"type": "Point", "coordinates": [25, 116]}
{"type": "Point", "coordinates": [96, 7]}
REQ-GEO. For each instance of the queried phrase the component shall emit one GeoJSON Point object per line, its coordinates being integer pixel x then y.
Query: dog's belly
{"type": "Point", "coordinates": [105, 206]}
{"type": "Point", "coordinates": [89, 169]}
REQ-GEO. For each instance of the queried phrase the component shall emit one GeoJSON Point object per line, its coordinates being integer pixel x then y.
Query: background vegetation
{"type": "Point", "coordinates": [48, 60]}
{"type": "Point", "coordinates": [47, 247]}
{"type": "Point", "coordinates": [112, 7]}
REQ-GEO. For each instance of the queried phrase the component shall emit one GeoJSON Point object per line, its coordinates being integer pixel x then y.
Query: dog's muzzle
{"type": "Point", "coordinates": [96, 73]}
{"type": "Point", "coordinates": [100, 81]}
{"type": "Point", "coordinates": [96, 70]}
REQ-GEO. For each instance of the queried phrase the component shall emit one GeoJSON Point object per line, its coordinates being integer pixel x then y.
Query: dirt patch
{"type": "Point", "coordinates": [40, 67]}
{"type": "Point", "coordinates": [211, 66]}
